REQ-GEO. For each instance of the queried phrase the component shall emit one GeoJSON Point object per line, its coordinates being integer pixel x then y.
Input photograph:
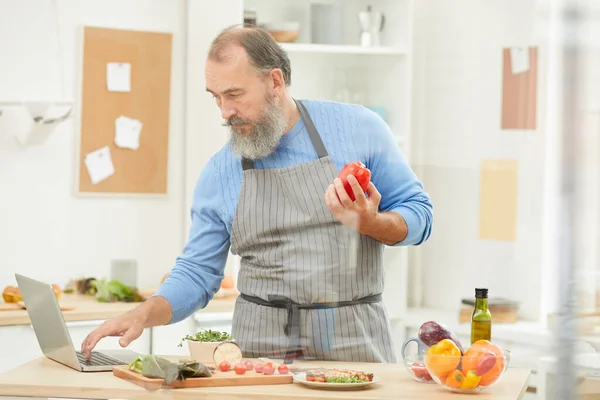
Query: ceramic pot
{"type": "Point", "coordinates": [202, 351]}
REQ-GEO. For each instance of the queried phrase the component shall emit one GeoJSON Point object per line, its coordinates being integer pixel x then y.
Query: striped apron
{"type": "Point", "coordinates": [310, 286]}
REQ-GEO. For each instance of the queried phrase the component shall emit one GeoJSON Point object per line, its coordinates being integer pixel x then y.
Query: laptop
{"type": "Point", "coordinates": [53, 335]}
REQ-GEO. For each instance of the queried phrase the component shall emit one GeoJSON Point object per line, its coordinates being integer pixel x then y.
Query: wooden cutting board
{"type": "Point", "coordinates": [21, 306]}
{"type": "Point", "coordinates": [9, 306]}
{"type": "Point", "coordinates": [218, 378]}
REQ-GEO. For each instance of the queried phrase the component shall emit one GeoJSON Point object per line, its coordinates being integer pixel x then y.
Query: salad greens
{"type": "Point", "coordinates": [111, 291]}
{"type": "Point", "coordinates": [345, 379]}
{"type": "Point", "coordinates": [208, 335]}
{"type": "Point", "coordinates": [156, 367]}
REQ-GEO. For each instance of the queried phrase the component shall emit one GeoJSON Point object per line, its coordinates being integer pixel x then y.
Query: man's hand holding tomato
{"type": "Point", "coordinates": [362, 213]}
{"type": "Point", "coordinates": [359, 214]}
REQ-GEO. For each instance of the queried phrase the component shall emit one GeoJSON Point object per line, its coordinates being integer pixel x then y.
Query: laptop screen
{"type": "Point", "coordinates": [47, 320]}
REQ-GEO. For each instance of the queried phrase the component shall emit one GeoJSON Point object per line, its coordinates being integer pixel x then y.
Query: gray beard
{"type": "Point", "coordinates": [262, 139]}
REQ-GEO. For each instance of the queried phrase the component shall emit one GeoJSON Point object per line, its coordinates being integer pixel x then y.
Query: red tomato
{"type": "Point", "coordinates": [419, 370]}
{"type": "Point", "coordinates": [224, 366]}
{"type": "Point", "coordinates": [268, 369]}
{"type": "Point", "coordinates": [360, 172]}
{"type": "Point", "coordinates": [258, 367]}
{"type": "Point", "coordinates": [240, 368]}
{"type": "Point", "coordinates": [320, 380]}
{"type": "Point", "coordinates": [310, 378]}
{"type": "Point", "coordinates": [283, 369]}
{"type": "Point", "coordinates": [249, 365]}
{"type": "Point", "coordinates": [427, 375]}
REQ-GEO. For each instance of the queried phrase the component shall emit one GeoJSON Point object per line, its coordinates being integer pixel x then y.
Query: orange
{"type": "Point", "coordinates": [57, 290]}
{"type": "Point", "coordinates": [12, 294]}
{"type": "Point", "coordinates": [164, 277]}
{"type": "Point", "coordinates": [474, 355]}
{"type": "Point", "coordinates": [227, 282]}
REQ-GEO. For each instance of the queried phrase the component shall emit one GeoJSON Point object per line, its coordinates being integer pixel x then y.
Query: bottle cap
{"type": "Point", "coordinates": [481, 293]}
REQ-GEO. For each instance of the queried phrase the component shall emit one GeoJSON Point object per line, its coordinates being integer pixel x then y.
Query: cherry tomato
{"type": "Point", "coordinates": [249, 365]}
{"type": "Point", "coordinates": [240, 368]}
{"type": "Point", "coordinates": [283, 369]}
{"type": "Point", "coordinates": [427, 375]}
{"type": "Point", "coordinates": [224, 366]}
{"type": "Point", "coordinates": [258, 367]}
{"type": "Point", "coordinates": [360, 172]}
{"type": "Point", "coordinates": [310, 378]}
{"type": "Point", "coordinates": [417, 369]}
{"type": "Point", "coordinates": [320, 380]}
{"type": "Point", "coordinates": [268, 369]}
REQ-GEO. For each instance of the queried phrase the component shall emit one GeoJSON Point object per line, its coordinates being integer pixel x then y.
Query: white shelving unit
{"type": "Point", "coordinates": [376, 77]}
{"type": "Point", "coordinates": [342, 49]}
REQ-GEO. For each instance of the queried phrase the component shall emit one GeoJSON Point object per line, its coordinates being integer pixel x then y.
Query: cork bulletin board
{"type": "Point", "coordinates": [136, 95]}
{"type": "Point", "coordinates": [519, 89]}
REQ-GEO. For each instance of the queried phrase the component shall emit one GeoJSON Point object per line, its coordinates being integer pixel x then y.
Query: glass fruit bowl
{"type": "Point", "coordinates": [417, 370]}
{"type": "Point", "coordinates": [481, 366]}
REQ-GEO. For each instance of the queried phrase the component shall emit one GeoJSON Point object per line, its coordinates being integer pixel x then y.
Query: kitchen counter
{"type": "Point", "coordinates": [87, 308]}
{"type": "Point", "coordinates": [46, 378]}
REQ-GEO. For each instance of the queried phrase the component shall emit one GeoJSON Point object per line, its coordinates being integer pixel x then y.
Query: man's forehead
{"type": "Point", "coordinates": [231, 66]}
{"type": "Point", "coordinates": [233, 54]}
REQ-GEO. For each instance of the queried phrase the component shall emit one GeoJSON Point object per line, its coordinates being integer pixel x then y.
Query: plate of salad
{"type": "Point", "coordinates": [335, 379]}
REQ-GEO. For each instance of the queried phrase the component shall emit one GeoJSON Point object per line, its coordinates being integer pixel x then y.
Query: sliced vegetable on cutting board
{"type": "Point", "coordinates": [227, 351]}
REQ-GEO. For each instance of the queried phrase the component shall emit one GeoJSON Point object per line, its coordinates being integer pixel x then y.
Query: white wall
{"type": "Point", "coordinates": [45, 230]}
{"type": "Point", "coordinates": [204, 133]}
{"type": "Point", "coordinates": [457, 113]}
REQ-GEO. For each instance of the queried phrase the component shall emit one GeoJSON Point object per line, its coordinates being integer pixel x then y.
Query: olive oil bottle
{"type": "Point", "coordinates": [481, 320]}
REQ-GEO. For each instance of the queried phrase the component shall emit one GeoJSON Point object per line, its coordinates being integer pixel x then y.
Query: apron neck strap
{"type": "Point", "coordinates": [315, 138]}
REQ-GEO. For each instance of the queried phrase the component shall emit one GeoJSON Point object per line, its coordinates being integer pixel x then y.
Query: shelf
{"type": "Point", "coordinates": [522, 331]}
{"type": "Point", "coordinates": [340, 49]}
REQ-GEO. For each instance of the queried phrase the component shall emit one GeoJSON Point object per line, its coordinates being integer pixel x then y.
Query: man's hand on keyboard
{"type": "Point", "coordinates": [130, 326]}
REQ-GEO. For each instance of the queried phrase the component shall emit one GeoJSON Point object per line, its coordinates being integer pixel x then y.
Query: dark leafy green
{"type": "Point", "coordinates": [159, 368]}
{"type": "Point", "coordinates": [193, 369]}
{"type": "Point", "coordinates": [208, 335]}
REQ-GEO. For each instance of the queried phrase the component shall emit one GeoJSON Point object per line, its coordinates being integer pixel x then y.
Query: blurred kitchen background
{"type": "Point", "coordinates": [478, 94]}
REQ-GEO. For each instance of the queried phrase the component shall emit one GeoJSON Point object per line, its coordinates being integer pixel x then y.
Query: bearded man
{"type": "Point", "coordinates": [311, 274]}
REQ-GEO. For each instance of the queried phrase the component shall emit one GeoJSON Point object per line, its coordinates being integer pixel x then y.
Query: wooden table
{"type": "Point", "coordinates": [45, 378]}
{"type": "Point", "coordinates": [87, 308]}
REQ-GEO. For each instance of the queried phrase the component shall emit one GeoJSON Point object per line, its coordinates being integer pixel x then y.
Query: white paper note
{"type": "Point", "coordinates": [127, 132]}
{"type": "Point", "coordinates": [519, 59]}
{"type": "Point", "coordinates": [118, 77]}
{"type": "Point", "coordinates": [99, 164]}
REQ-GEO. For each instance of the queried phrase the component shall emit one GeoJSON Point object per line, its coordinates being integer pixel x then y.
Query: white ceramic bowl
{"type": "Point", "coordinates": [202, 351]}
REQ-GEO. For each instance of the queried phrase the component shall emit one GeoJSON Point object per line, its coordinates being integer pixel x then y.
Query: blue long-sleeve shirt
{"type": "Point", "coordinates": [349, 133]}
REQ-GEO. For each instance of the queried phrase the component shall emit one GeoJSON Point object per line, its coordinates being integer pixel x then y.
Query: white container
{"type": "Point", "coordinates": [326, 23]}
{"type": "Point", "coordinates": [202, 351]}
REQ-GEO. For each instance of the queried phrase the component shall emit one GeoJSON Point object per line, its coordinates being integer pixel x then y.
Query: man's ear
{"type": "Point", "coordinates": [277, 80]}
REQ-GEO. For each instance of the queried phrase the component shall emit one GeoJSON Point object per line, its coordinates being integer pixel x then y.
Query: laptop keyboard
{"type": "Point", "coordinates": [98, 359]}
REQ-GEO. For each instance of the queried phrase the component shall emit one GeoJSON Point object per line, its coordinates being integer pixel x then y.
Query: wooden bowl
{"type": "Point", "coordinates": [284, 36]}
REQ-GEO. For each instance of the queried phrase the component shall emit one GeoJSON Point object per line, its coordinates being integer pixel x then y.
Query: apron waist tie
{"type": "Point", "coordinates": [292, 327]}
